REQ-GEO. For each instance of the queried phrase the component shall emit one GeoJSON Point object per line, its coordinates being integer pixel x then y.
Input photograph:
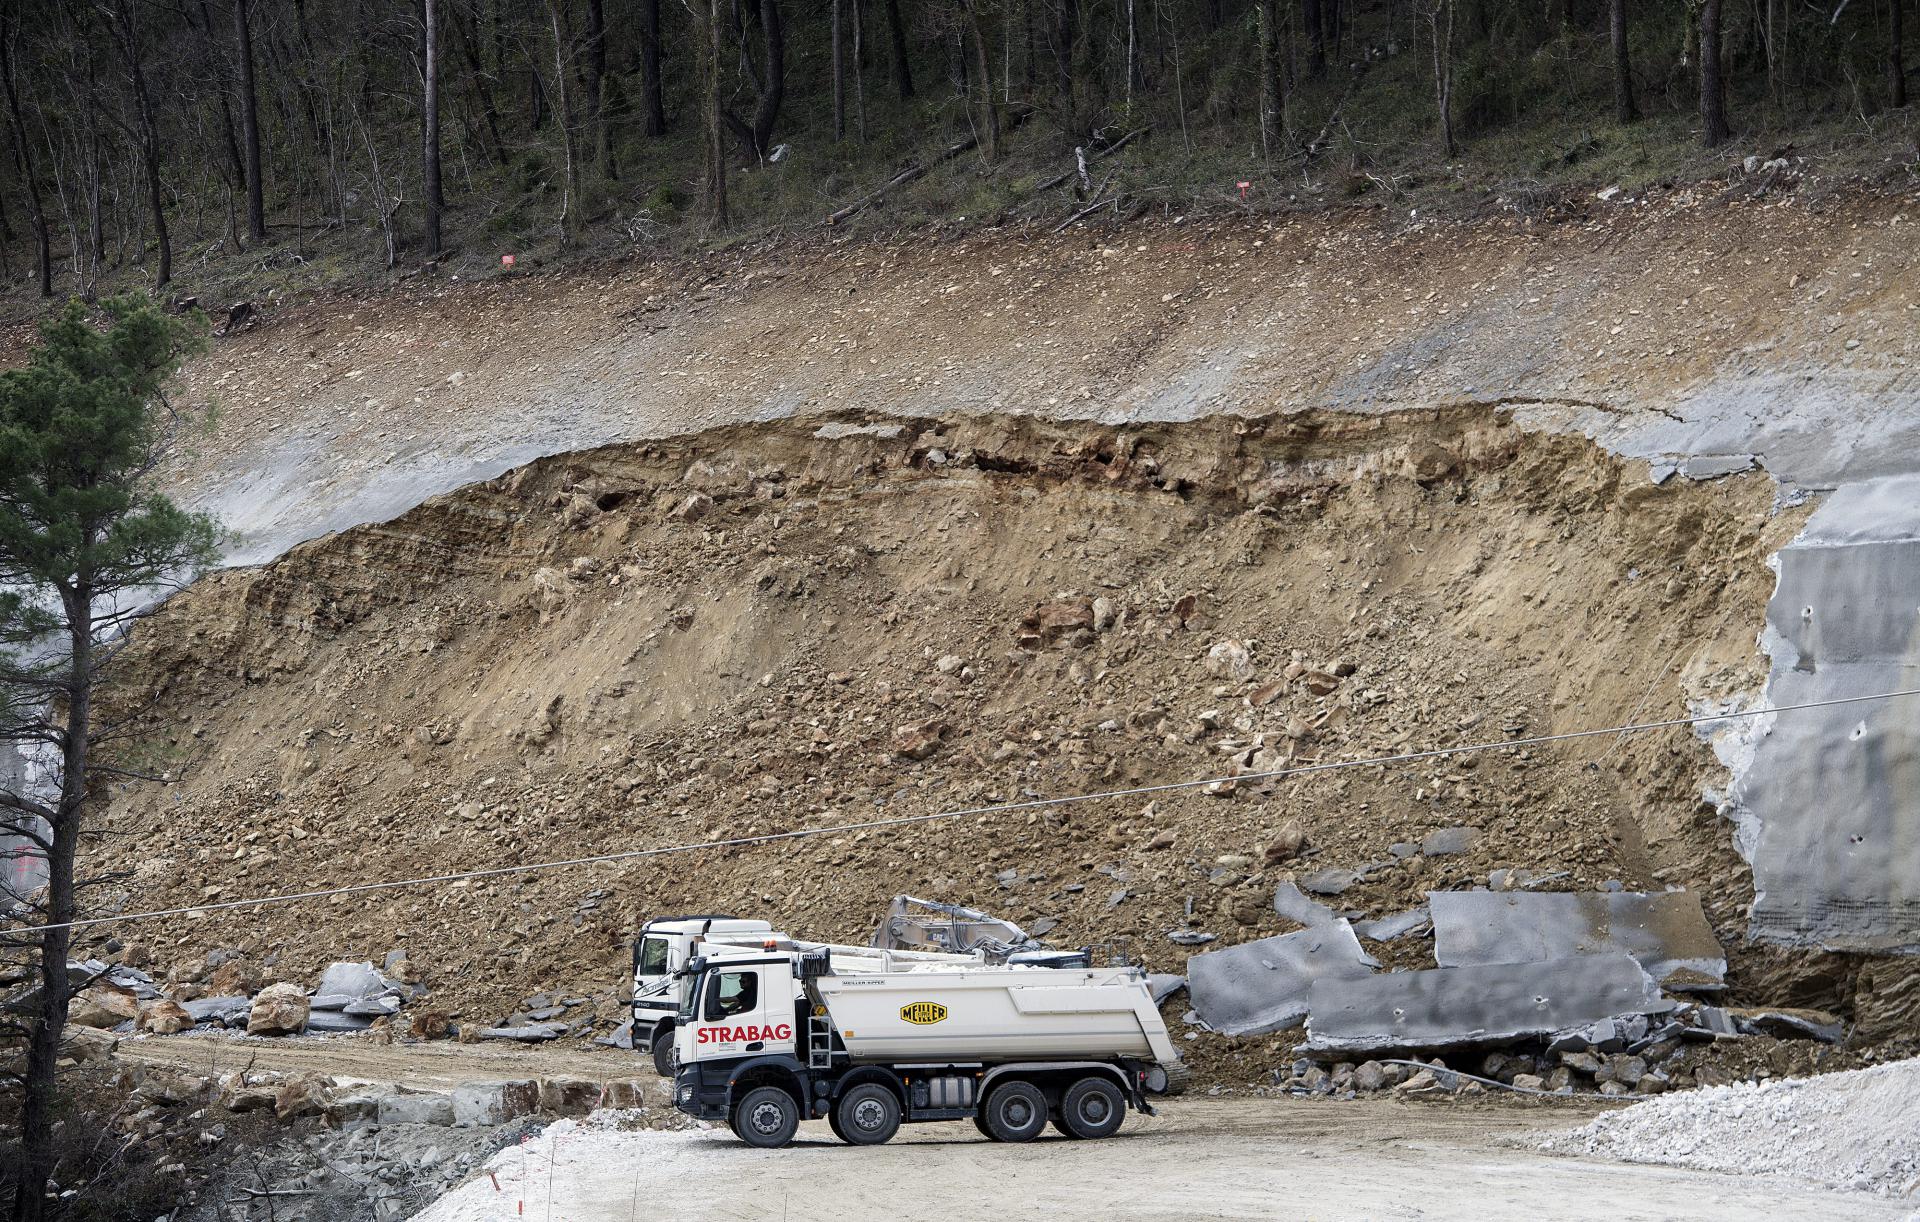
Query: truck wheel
{"type": "Point", "coordinates": [867, 1115]}
{"type": "Point", "coordinates": [664, 1060]}
{"type": "Point", "coordinates": [1016, 1111]}
{"type": "Point", "coordinates": [766, 1117]}
{"type": "Point", "coordinates": [1092, 1107]}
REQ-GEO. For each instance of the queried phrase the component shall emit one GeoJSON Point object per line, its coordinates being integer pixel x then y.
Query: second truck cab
{"type": "Point", "coordinates": [661, 950]}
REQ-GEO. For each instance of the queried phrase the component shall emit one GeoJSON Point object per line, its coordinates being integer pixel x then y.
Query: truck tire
{"type": "Point", "coordinates": [1092, 1107]}
{"type": "Point", "coordinates": [765, 1117]}
{"type": "Point", "coordinates": [867, 1115]}
{"type": "Point", "coordinates": [664, 1060]}
{"type": "Point", "coordinates": [1015, 1111]}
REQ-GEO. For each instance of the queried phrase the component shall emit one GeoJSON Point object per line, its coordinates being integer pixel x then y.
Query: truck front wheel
{"type": "Point", "coordinates": [867, 1115]}
{"type": "Point", "coordinates": [1092, 1107]}
{"type": "Point", "coordinates": [1015, 1111]}
{"type": "Point", "coordinates": [766, 1117]}
{"type": "Point", "coordinates": [664, 1060]}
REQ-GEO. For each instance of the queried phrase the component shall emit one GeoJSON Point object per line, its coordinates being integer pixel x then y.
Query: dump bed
{"type": "Point", "coordinates": [995, 1014]}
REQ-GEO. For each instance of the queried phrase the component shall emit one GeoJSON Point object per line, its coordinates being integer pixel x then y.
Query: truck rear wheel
{"type": "Point", "coordinates": [664, 1060]}
{"type": "Point", "coordinates": [867, 1115]}
{"type": "Point", "coordinates": [1092, 1107]}
{"type": "Point", "coordinates": [766, 1117]}
{"type": "Point", "coordinates": [1015, 1111]}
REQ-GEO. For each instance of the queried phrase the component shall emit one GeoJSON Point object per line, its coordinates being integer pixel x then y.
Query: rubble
{"type": "Point", "coordinates": [1666, 932]}
{"type": "Point", "coordinates": [1453, 1007]}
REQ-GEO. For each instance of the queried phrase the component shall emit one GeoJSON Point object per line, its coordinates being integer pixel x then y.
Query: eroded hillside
{"type": "Point", "coordinates": [831, 620]}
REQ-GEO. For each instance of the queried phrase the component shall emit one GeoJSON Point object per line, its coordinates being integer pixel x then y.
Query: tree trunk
{"type": "Point", "coordinates": [563, 115]}
{"type": "Point", "coordinates": [1623, 108]}
{"type": "Point", "coordinates": [1440, 17]}
{"type": "Point", "coordinates": [1272, 95]}
{"type": "Point", "coordinates": [1896, 61]}
{"type": "Point", "coordinates": [758, 134]}
{"type": "Point", "coordinates": [596, 77]}
{"type": "Point", "coordinates": [250, 123]}
{"type": "Point", "coordinates": [483, 85]}
{"type": "Point", "coordinates": [1713, 100]}
{"type": "Point", "coordinates": [902, 69]}
{"type": "Point", "coordinates": [1312, 12]}
{"type": "Point", "coordinates": [859, 71]}
{"type": "Point", "coordinates": [651, 100]}
{"type": "Point", "coordinates": [23, 158]}
{"type": "Point", "coordinates": [839, 79]}
{"type": "Point", "coordinates": [38, 1096]}
{"type": "Point", "coordinates": [129, 39]}
{"type": "Point", "coordinates": [430, 128]}
{"type": "Point", "coordinates": [713, 45]}
{"type": "Point", "coordinates": [983, 69]}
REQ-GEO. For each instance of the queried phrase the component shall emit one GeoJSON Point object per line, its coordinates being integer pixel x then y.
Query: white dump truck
{"type": "Point", "coordinates": [767, 1037]}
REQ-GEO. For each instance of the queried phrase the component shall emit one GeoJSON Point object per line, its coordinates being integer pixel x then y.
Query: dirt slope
{"type": "Point", "coordinates": [824, 621]}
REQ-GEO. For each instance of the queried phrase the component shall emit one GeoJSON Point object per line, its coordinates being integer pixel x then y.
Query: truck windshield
{"type": "Point", "coordinates": [653, 957]}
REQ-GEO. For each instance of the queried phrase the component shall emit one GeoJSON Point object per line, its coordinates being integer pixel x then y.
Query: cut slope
{"type": "Point", "coordinates": [808, 623]}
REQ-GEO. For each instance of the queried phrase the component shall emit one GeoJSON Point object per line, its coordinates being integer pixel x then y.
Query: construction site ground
{"type": "Point", "coordinates": [1199, 1158]}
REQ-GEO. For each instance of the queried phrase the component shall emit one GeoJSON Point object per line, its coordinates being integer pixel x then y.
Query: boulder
{"type": "Point", "coordinates": [490, 1103]}
{"type": "Point", "coordinates": [235, 977]}
{"type": "Point", "coordinates": [163, 1017]}
{"type": "Point", "coordinates": [303, 1095]}
{"type": "Point", "coordinates": [429, 1025]}
{"type": "Point", "coordinates": [102, 1005]}
{"type": "Point", "coordinates": [278, 1009]}
{"type": "Point", "coordinates": [416, 1107]}
{"type": "Point", "coordinates": [1229, 660]}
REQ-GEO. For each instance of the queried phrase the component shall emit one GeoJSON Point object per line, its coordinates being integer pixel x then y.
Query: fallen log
{"type": "Point", "coordinates": [913, 172]}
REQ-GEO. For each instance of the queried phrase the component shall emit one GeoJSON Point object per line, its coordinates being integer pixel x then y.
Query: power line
{"type": "Point", "coordinates": [991, 809]}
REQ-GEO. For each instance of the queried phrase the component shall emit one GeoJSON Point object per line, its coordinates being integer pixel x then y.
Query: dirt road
{"type": "Point", "coordinates": [427, 1066]}
{"type": "Point", "coordinates": [1370, 1159]}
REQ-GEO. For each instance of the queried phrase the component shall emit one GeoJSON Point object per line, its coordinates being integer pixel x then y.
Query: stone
{"type": "Point", "coordinates": [1611, 1088]}
{"type": "Point", "coordinates": [918, 740]}
{"type": "Point", "coordinates": [1560, 1080]}
{"type": "Point", "coordinates": [1229, 660]}
{"type": "Point", "coordinates": [1105, 613]}
{"type": "Point", "coordinates": [103, 1005]}
{"type": "Point", "coordinates": [1370, 1076]}
{"type": "Point", "coordinates": [1627, 1068]}
{"type": "Point", "coordinates": [530, 1033]}
{"type": "Point", "coordinates": [1582, 1062]}
{"type": "Point", "coordinates": [354, 1110]}
{"type": "Point", "coordinates": [491, 1103]}
{"type": "Point", "coordinates": [1161, 840]}
{"type": "Point", "coordinates": [1528, 1081]}
{"type": "Point", "coordinates": [227, 1011]}
{"type": "Point", "coordinates": [1320, 683]}
{"type": "Point", "coordinates": [1049, 621]}
{"type": "Point", "coordinates": [416, 1107]}
{"type": "Point", "coordinates": [332, 1021]}
{"type": "Point", "coordinates": [1285, 845]}
{"type": "Point", "coordinates": [692, 509]}
{"type": "Point", "coordinates": [375, 1007]}
{"type": "Point", "coordinates": [1650, 1084]}
{"type": "Point", "coordinates": [278, 1009]}
{"type": "Point", "coordinates": [566, 1096]}
{"type": "Point", "coordinates": [1330, 881]}
{"type": "Point", "coordinates": [342, 984]}
{"type": "Point", "coordinates": [163, 1017]}
{"type": "Point", "coordinates": [1449, 840]}
{"type": "Point", "coordinates": [234, 978]}
{"type": "Point", "coordinates": [302, 1095]}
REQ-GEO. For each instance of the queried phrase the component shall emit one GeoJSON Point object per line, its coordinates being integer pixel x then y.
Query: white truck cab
{"type": "Point", "coordinates": [772, 1035]}
{"type": "Point", "coordinates": [661, 950]}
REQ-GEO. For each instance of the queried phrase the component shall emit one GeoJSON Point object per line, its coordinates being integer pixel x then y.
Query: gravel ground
{"type": "Point", "coordinates": [1858, 1130]}
{"type": "Point", "coordinates": [1372, 1159]}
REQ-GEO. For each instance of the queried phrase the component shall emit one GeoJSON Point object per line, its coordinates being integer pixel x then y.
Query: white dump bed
{"type": "Point", "coordinates": [994, 1014]}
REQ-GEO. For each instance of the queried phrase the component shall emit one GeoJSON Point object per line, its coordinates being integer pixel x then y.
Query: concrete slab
{"type": "Point", "coordinates": [1262, 986]}
{"type": "Point", "coordinates": [1666, 931]}
{"type": "Point", "coordinates": [1454, 1007]}
{"type": "Point", "coordinates": [1295, 905]}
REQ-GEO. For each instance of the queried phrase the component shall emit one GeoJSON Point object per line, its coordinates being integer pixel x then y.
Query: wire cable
{"type": "Point", "coordinates": [997, 808]}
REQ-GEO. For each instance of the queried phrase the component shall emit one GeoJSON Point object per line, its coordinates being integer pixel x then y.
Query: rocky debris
{"type": "Point", "coordinates": [529, 1033]}
{"type": "Point", "coordinates": [919, 740]}
{"type": "Point", "coordinates": [162, 1017]}
{"type": "Point", "coordinates": [1060, 619]}
{"type": "Point", "coordinates": [278, 1009]}
{"type": "Point", "coordinates": [226, 1011]}
{"type": "Point", "coordinates": [1790, 1023]}
{"type": "Point", "coordinates": [1449, 841]}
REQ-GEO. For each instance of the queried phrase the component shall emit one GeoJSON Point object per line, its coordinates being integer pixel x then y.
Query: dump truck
{"type": "Point", "coordinates": [767, 1037]}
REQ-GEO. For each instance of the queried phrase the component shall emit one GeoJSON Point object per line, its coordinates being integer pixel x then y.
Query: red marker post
{"type": "Point", "coordinates": [1243, 190]}
{"type": "Point", "coordinates": [506, 261]}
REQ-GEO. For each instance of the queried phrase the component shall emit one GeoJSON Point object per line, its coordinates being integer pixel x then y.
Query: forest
{"type": "Point", "coordinates": [141, 136]}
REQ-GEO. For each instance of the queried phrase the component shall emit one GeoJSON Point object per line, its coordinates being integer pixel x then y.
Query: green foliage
{"type": "Point", "coordinates": [81, 425]}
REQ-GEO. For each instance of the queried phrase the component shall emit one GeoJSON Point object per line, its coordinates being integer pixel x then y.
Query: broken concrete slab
{"type": "Point", "coordinates": [415, 1107]}
{"type": "Point", "coordinates": [531, 1033]}
{"type": "Point", "coordinates": [1788, 1023]}
{"type": "Point", "coordinates": [489, 1103]}
{"type": "Point", "coordinates": [1164, 985]}
{"type": "Point", "coordinates": [1330, 881]}
{"type": "Point", "coordinates": [227, 1011]}
{"type": "Point", "coordinates": [619, 1037]}
{"type": "Point", "coordinates": [1294, 904]}
{"type": "Point", "coordinates": [342, 984]}
{"type": "Point", "coordinates": [1399, 925]}
{"type": "Point", "coordinates": [1262, 986]}
{"type": "Point", "coordinates": [1455, 1007]}
{"type": "Point", "coordinates": [1665, 931]}
{"type": "Point", "coordinates": [385, 1006]}
{"type": "Point", "coordinates": [333, 1021]}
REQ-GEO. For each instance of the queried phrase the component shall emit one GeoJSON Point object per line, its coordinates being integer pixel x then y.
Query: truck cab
{"type": "Point", "coordinates": [772, 1035]}
{"type": "Point", "coordinates": [659, 952]}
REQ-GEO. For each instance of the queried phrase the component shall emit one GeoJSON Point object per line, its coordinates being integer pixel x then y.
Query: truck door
{"type": "Point", "coordinates": [741, 1010]}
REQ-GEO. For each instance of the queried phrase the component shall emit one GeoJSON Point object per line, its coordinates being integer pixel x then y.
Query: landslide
{"type": "Point", "coordinates": [821, 621]}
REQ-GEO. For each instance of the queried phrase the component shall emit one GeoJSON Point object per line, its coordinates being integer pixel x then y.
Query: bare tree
{"type": "Point", "coordinates": [757, 134]}
{"type": "Point", "coordinates": [1713, 98]}
{"type": "Point", "coordinates": [1273, 102]}
{"type": "Point", "coordinates": [1623, 108]}
{"type": "Point", "coordinates": [902, 68]}
{"type": "Point", "coordinates": [652, 105]}
{"type": "Point", "coordinates": [712, 47]}
{"type": "Point", "coordinates": [250, 122]}
{"type": "Point", "coordinates": [124, 20]}
{"type": "Point", "coordinates": [1440, 15]}
{"type": "Point", "coordinates": [1896, 65]}
{"type": "Point", "coordinates": [599, 130]}
{"type": "Point", "coordinates": [23, 154]}
{"type": "Point", "coordinates": [563, 115]}
{"type": "Point", "coordinates": [430, 127]}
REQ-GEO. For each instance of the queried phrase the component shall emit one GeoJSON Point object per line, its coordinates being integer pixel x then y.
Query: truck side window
{"type": "Point", "coordinates": [733, 993]}
{"type": "Point", "coordinates": [653, 957]}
